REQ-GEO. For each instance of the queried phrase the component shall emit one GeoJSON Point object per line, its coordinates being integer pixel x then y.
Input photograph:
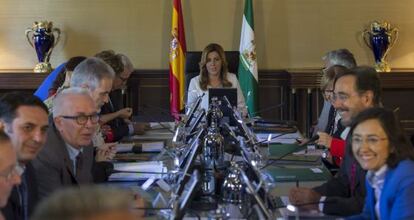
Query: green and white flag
{"type": "Point", "coordinates": [248, 76]}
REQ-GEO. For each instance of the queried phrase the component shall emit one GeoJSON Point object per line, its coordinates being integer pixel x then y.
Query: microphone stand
{"type": "Point", "coordinates": [256, 196]}
{"type": "Point", "coordinates": [189, 115]}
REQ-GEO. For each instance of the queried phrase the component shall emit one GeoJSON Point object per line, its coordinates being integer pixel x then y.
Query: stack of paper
{"type": "Point", "coordinates": [124, 147]}
{"type": "Point", "coordinates": [140, 147]}
{"type": "Point", "coordinates": [162, 125]}
{"type": "Point", "coordinates": [137, 171]}
{"type": "Point", "coordinates": [154, 146]}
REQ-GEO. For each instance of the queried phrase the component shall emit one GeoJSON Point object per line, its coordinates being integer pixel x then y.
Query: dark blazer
{"type": "Point", "coordinates": [13, 209]}
{"type": "Point", "coordinates": [54, 168]}
{"type": "Point", "coordinates": [119, 127]}
{"type": "Point", "coordinates": [339, 198]}
{"type": "Point", "coordinates": [396, 201]}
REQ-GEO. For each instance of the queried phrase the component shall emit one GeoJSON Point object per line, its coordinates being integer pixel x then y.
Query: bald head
{"type": "Point", "coordinates": [67, 98]}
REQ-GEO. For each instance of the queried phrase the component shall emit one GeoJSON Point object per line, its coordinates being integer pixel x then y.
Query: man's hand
{"type": "Point", "coordinates": [300, 196]}
{"type": "Point", "coordinates": [106, 152]}
{"type": "Point", "coordinates": [124, 113]}
{"type": "Point", "coordinates": [324, 139]}
{"type": "Point", "coordinates": [140, 127]}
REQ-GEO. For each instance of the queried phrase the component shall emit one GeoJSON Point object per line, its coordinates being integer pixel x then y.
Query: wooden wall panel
{"type": "Point", "coordinates": [148, 93]}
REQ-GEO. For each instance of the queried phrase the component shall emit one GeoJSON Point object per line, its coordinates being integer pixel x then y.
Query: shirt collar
{"type": "Point", "coordinates": [73, 152]}
{"type": "Point", "coordinates": [378, 176]}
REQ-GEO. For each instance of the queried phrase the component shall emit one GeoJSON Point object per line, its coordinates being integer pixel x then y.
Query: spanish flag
{"type": "Point", "coordinates": [177, 60]}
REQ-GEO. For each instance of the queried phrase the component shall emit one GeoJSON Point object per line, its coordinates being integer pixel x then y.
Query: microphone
{"type": "Point", "coordinates": [160, 109]}
{"type": "Point", "coordinates": [195, 105]}
{"type": "Point", "coordinates": [286, 154]}
{"type": "Point", "coordinates": [152, 118]}
{"type": "Point", "coordinates": [310, 141]}
{"type": "Point", "coordinates": [269, 108]}
{"type": "Point", "coordinates": [279, 135]}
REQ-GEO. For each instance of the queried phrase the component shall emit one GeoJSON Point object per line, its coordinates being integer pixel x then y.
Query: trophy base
{"type": "Point", "coordinates": [43, 68]}
{"type": "Point", "coordinates": [382, 67]}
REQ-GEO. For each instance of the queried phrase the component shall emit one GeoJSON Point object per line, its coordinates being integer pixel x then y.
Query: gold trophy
{"type": "Point", "coordinates": [380, 38]}
{"type": "Point", "coordinates": [41, 37]}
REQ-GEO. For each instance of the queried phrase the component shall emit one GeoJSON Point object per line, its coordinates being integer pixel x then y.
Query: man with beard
{"type": "Point", "coordinates": [24, 119]}
{"type": "Point", "coordinates": [354, 91]}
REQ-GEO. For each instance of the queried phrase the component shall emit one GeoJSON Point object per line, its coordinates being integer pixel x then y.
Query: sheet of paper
{"type": "Point", "coordinates": [124, 147]}
{"type": "Point", "coordinates": [138, 171]}
{"type": "Point", "coordinates": [155, 146]}
{"type": "Point", "coordinates": [160, 125]}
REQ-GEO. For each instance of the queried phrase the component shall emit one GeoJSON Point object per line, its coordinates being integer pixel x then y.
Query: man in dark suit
{"type": "Point", "coordinates": [114, 111]}
{"type": "Point", "coordinates": [10, 171]}
{"type": "Point", "coordinates": [68, 157]}
{"type": "Point", "coordinates": [354, 91]}
{"type": "Point", "coordinates": [24, 118]}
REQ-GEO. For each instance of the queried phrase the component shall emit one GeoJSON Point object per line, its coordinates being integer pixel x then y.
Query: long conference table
{"type": "Point", "coordinates": [148, 169]}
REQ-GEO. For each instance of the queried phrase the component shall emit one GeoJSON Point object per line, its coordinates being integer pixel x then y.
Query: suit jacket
{"type": "Point", "coordinates": [344, 197]}
{"type": "Point", "coordinates": [119, 127]}
{"type": "Point", "coordinates": [13, 209]}
{"type": "Point", "coordinates": [54, 168]}
{"type": "Point", "coordinates": [396, 201]}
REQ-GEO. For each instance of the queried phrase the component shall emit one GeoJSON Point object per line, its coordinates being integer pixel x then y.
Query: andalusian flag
{"type": "Point", "coordinates": [248, 76]}
{"type": "Point", "coordinates": [177, 60]}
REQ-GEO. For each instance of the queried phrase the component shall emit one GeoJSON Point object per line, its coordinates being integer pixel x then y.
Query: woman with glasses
{"type": "Point", "coordinates": [380, 146]}
{"type": "Point", "coordinates": [330, 136]}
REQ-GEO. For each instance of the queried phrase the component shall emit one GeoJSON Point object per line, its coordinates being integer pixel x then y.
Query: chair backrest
{"type": "Point", "coordinates": [193, 59]}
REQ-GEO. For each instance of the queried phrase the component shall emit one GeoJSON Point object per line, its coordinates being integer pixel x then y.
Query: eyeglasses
{"type": "Point", "coordinates": [83, 119]}
{"type": "Point", "coordinates": [341, 97]}
{"type": "Point", "coordinates": [17, 170]}
{"type": "Point", "coordinates": [370, 140]}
